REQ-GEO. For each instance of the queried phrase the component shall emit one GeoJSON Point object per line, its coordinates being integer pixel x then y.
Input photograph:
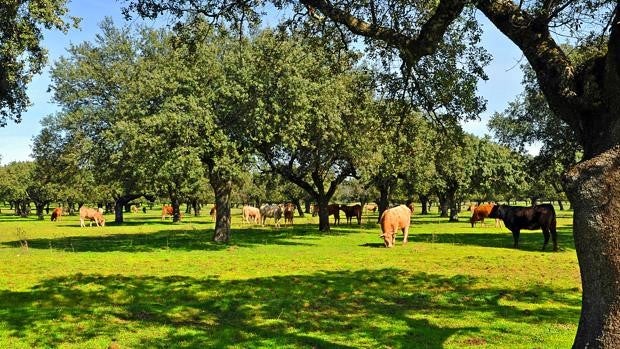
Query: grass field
{"type": "Point", "coordinates": [154, 284]}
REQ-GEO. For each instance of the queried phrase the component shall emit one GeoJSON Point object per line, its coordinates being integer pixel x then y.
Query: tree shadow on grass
{"type": "Point", "coordinates": [366, 308]}
{"type": "Point", "coordinates": [180, 239]}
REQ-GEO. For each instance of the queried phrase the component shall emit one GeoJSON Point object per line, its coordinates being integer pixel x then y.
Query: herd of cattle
{"type": "Point", "coordinates": [515, 218]}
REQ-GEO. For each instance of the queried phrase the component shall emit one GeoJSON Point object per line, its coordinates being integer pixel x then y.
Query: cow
{"type": "Point", "coordinates": [480, 213]}
{"type": "Point", "coordinates": [57, 214]}
{"type": "Point", "coordinates": [332, 209]}
{"type": "Point", "coordinates": [213, 212]}
{"type": "Point", "coordinates": [252, 213]}
{"type": "Point", "coordinates": [289, 213]}
{"type": "Point", "coordinates": [134, 209]}
{"type": "Point", "coordinates": [274, 211]}
{"type": "Point", "coordinates": [352, 211]}
{"type": "Point", "coordinates": [370, 208]}
{"type": "Point", "coordinates": [92, 215]}
{"type": "Point", "coordinates": [537, 217]}
{"type": "Point", "coordinates": [168, 210]}
{"type": "Point", "coordinates": [394, 219]}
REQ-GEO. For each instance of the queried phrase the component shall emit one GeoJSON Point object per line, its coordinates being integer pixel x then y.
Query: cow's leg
{"type": "Point", "coordinates": [554, 237]}
{"type": "Point", "coordinates": [515, 237]}
{"type": "Point", "coordinates": [546, 235]}
{"type": "Point", "coordinates": [405, 234]}
{"type": "Point", "coordinates": [82, 222]}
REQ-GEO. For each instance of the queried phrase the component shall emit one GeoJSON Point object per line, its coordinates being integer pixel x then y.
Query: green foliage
{"type": "Point", "coordinates": [21, 53]}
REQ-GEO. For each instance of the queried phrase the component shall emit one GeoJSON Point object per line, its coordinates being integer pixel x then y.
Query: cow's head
{"type": "Point", "coordinates": [388, 239]}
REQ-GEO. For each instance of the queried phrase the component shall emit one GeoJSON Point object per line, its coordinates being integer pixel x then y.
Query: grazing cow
{"type": "Point", "coordinates": [134, 209]}
{"type": "Point", "coordinates": [273, 211]}
{"type": "Point", "coordinates": [168, 210]}
{"type": "Point", "coordinates": [538, 217]}
{"type": "Point", "coordinates": [252, 213]}
{"type": "Point", "coordinates": [57, 214]}
{"type": "Point", "coordinates": [332, 209]}
{"type": "Point", "coordinates": [395, 219]}
{"type": "Point", "coordinates": [289, 213]}
{"type": "Point", "coordinates": [92, 215]}
{"type": "Point", "coordinates": [352, 211]}
{"type": "Point", "coordinates": [480, 213]}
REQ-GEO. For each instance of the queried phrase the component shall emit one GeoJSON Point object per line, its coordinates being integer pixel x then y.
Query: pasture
{"type": "Point", "coordinates": [156, 284]}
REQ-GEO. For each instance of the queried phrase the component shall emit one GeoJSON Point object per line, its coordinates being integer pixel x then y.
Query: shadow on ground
{"type": "Point", "coordinates": [180, 239]}
{"type": "Point", "coordinates": [379, 308]}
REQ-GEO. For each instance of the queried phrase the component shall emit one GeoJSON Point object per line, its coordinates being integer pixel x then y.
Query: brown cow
{"type": "Point", "coordinates": [480, 213]}
{"type": "Point", "coordinates": [332, 209]}
{"type": "Point", "coordinates": [213, 212]}
{"type": "Point", "coordinates": [289, 213]}
{"type": "Point", "coordinates": [57, 214]}
{"type": "Point", "coordinates": [92, 215]}
{"type": "Point", "coordinates": [250, 212]}
{"type": "Point", "coordinates": [352, 211]}
{"type": "Point", "coordinates": [392, 220]}
{"type": "Point", "coordinates": [166, 210]}
{"type": "Point", "coordinates": [370, 208]}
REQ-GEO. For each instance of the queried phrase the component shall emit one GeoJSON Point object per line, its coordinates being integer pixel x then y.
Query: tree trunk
{"type": "Point", "coordinates": [196, 207]}
{"type": "Point", "coordinates": [534, 200]}
{"type": "Point", "coordinates": [443, 205]}
{"type": "Point", "coordinates": [424, 202]}
{"type": "Point", "coordinates": [323, 202]}
{"type": "Point", "coordinates": [176, 209]}
{"type": "Point", "coordinates": [40, 206]}
{"type": "Point", "coordinates": [454, 207]}
{"type": "Point", "coordinates": [384, 200]}
{"type": "Point", "coordinates": [561, 205]}
{"type": "Point", "coordinates": [127, 207]}
{"type": "Point", "coordinates": [308, 205]}
{"type": "Point", "coordinates": [222, 190]}
{"type": "Point", "coordinates": [118, 210]}
{"type": "Point", "coordinates": [593, 188]}
{"type": "Point", "coordinates": [297, 204]}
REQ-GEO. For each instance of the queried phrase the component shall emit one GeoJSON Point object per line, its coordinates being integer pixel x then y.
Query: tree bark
{"type": "Point", "coordinates": [176, 209]}
{"type": "Point", "coordinates": [424, 202]}
{"type": "Point", "coordinates": [561, 205]}
{"type": "Point", "coordinates": [40, 206]}
{"type": "Point", "coordinates": [323, 202]}
{"type": "Point", "coordinates": [593, 188]}
{"type": "Point", "coordinates": [444, 205]}
{"type": "Point", "coordinates": [222, 189]}
{"type": "Point", "coordinates": [383, 203]}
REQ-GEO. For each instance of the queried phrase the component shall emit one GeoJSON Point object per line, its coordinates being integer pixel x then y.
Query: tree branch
{"type": "Point", "coordinates": [412, 48]}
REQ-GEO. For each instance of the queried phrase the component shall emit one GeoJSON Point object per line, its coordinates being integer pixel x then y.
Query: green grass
{"type": "Point", "coordinates": [154, 284]}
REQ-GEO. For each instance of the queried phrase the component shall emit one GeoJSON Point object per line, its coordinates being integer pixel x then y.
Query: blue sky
{"type": "Point", "coordinates": [15, 139]}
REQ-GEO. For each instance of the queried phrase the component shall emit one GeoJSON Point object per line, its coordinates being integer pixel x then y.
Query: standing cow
{"type": "Point", "coordinates": [92, 215]}
{"type": "Point", "coordinates": [537, 217]}
{"type": "Point", "coordinates": [352, 211]}
{"type": "Point", "coordinates": [274, 211]}
{"type": "Point", "coordinates": [252, 213]}
{"type": "Point", "coordinates": [57, 214]}
{"type": "Point", "coordinates": [332, 209]}
{"type": "Point", "coordinates": [395, 219]}
{"type": "Point", "coordinates": [289, 213]}
{"type": "Point", "coordinates": [479, 213]}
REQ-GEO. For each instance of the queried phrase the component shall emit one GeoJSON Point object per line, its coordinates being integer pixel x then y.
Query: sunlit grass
{"type": "Point", "coordinates": [150, 283]}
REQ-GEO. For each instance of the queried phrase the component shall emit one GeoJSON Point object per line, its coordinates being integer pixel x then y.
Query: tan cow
{"type": "Point", "coordinates": [92, 215]}
{"type": "Point", "coordinates": [395, 219]}
{"type": "Point", "coordinates": [250, 212]}
{"type": "Point", "coordinates": [57, 214]}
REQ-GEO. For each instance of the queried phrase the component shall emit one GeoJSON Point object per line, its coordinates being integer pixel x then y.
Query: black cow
{"type": "Point", "coordinates": [538, 217]}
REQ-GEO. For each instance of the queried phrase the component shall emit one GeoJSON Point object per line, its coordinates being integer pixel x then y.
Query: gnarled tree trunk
{"type": "Point", "coordinates": [222, 189]}
{"type": "Point", "coordinates": [593, 187]}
